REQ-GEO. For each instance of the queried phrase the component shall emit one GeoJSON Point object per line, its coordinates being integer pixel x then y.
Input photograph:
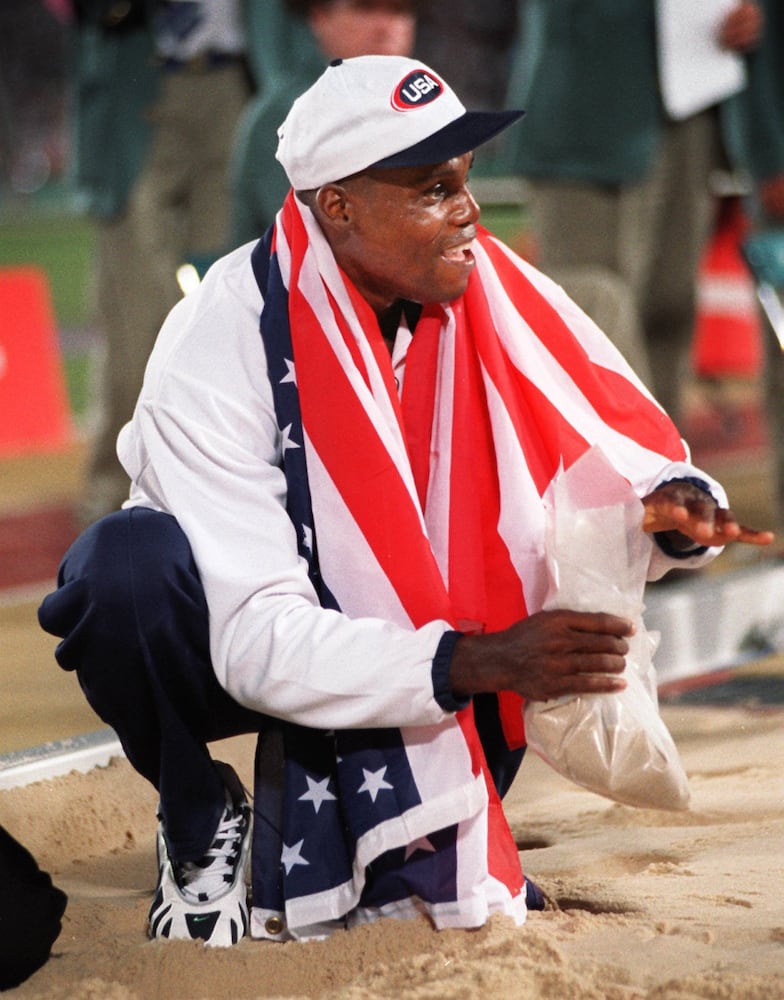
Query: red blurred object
{"type": "Point", "coordinates": [728, 334]}
{"type": "Point", "coordinates": [34, 411]}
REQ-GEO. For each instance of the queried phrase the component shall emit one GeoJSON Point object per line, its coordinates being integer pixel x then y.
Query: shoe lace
{"type": "Point", "coordinates": [215, 870]}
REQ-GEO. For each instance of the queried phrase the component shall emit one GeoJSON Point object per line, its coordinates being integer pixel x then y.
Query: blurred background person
{"type": "Point", "coordinates": [158, 88]}
{"type": "Point", "coordinates": [293, 40]}
{"type": "Point", "coordinates": [620, 182]}
{"type": "Point", "coordinates": [760, 121]}
{"type": "Point", "coordinates": [471, 44]}
{"type": "Point", "coordinates": [33, 57]}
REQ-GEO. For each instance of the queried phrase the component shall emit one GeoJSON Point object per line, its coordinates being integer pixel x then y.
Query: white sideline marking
{"type": "Point", "coordinates": [51, 760]}
{"type": "Point", "coordinates": [26, 593]}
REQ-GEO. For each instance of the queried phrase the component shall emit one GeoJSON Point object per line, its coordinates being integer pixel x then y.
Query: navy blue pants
{"type": "Point", "coordinates": [131, 612]}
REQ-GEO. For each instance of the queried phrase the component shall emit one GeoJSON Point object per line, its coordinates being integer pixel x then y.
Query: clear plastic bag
{"type": "Point", "coordinates": [616, 745]}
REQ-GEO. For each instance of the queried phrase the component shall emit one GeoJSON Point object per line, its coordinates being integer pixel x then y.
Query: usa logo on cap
{"type": "Point", "coordinates": [418, 88]}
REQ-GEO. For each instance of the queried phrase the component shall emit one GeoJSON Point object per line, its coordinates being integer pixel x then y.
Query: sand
{"type": "Point", "coordinates": [667, 906]}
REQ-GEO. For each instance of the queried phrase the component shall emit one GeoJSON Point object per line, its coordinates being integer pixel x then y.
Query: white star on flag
{"type": "Point", "coordinates": [374, 782]}
{"type": "Point", "coordinates": [286, 436]}
{"type": "Point", "coordinates": [307, 537]}
{"type": "Point", "coordinates": [291, 375]}
{"type": "Point", "coordinates": [317, 792]}
{"type": "Point", "coordinates": [291, 856]}
{"type": "Point", "coordinates": [420, 844]}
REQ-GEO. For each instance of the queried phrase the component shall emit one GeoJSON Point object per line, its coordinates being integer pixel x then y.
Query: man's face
{"type": "Point", "coordinates": [409, 233]}
{"type": "Point", "coordinates": [348, 28]}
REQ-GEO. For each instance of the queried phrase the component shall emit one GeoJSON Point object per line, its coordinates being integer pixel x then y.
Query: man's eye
{"type": "Point", "coordinates": [437, 190]}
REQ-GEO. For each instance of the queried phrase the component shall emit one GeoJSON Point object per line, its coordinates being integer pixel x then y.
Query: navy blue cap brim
{"type": "Point", "coordinates": [463, 135]}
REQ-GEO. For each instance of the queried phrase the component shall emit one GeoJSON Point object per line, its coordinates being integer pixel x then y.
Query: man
{"type": "Point", "coordinates": [335, 534]}
{"type": "Point", "coordinates": [158, 88]}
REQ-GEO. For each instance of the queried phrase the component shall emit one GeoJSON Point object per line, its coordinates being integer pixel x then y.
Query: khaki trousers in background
{"type": "Point", "coordinates": [773, 383]}
{"type": "Point", "coordinates": [629, 254]}
{"type": "Point", "coordinates": [178, 211]}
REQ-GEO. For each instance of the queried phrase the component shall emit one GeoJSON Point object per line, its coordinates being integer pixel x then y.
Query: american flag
{"type": "Point", "coordinates": [420, 509]}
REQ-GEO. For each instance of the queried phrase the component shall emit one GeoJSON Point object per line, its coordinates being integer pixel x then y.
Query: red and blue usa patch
{"type": "Point", "coordinates": [418, 88]}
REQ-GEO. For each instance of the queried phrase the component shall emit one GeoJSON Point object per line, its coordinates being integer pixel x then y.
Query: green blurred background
{"type": "Point", "coordinates": [43, 231]}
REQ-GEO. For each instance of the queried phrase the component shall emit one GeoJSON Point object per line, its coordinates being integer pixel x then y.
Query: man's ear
{"type": "Point", "coordinates": [334, 205]}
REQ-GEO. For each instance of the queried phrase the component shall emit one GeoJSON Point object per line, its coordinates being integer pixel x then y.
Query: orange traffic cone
{"type": "Point", "coordinates": [728, 335]}
{"type": "Point", "coordinates": [34, 412]}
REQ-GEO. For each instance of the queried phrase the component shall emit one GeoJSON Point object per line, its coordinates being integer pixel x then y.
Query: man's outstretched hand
{"type": "Point", "coordinates": [691, 513]}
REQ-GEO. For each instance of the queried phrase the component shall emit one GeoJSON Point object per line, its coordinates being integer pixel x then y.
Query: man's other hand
{"type": "Point", "coordinates": [544, 656]}
{"type": "Point", "coordinates": [692, 515]}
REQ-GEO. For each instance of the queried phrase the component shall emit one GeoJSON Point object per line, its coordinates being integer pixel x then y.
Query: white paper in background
{"type": "Point", "coordinates": [694, 71]}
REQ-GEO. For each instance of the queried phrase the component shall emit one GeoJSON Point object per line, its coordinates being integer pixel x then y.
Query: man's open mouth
{"type": "Point", "coordinates": [461, 253]}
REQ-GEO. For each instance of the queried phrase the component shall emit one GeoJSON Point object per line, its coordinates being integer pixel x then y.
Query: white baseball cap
{"type": "Point", "coordinates": [378, 111]}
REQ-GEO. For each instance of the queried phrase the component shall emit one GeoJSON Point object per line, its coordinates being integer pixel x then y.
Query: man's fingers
{"type": "Point", "coordinates": [753, 537]}
{"type": "Point", "coordinates": [725, 528]}
{"type": "Point", "coordinates": [703, 522]}
{"type": "Point", "coordinates": [665, 517]}
{"type": "Point", "coordinates": [600, 663]}
{"type": "Point", "coordinates": [591, 682]}
{"type": "Point", "coordinates": [597, 653]}
{"type": "Point", "coordinates": [601, 623]}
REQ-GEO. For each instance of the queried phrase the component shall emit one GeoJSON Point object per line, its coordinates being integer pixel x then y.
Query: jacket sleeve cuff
{"type": "Point", "coordinates": [442, 661]}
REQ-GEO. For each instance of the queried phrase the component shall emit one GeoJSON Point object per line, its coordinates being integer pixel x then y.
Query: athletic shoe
{"type": "Point", "coordinates": [207, 899]}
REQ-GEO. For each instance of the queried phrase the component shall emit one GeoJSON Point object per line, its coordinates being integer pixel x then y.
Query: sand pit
{"type": "Point", "coordinates": [642, 904]}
